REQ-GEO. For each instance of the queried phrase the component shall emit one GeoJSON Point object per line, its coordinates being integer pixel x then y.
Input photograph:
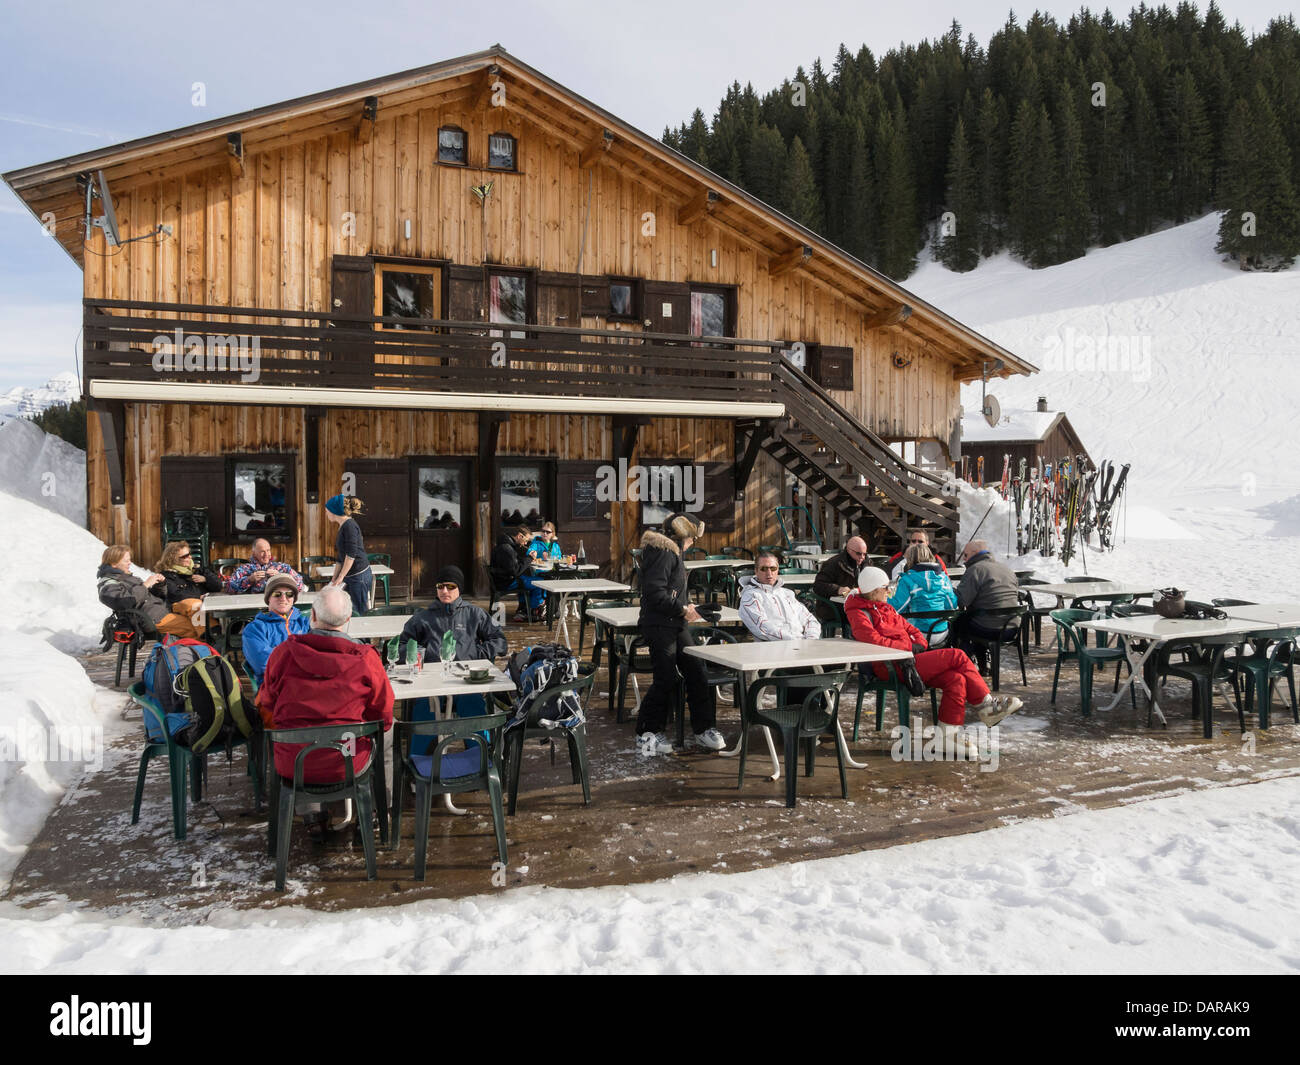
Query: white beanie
{"type": "Point", "coordinates": [870, 578]}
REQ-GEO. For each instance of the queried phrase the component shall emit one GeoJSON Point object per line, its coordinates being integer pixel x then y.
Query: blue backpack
{"type": "Point", "coordinates": [167, 661]}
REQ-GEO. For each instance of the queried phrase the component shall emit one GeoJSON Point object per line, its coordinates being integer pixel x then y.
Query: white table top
{"type": "Point", "coordinates": [432, 684]}
{"type": "Point", "coordinates": [381, 626]}
{"type": "Point", "coordinates": [1286, 615]}
{"type": "Point", "coordinates": [629, 617]}
{"type": "Point", "coordinates": [375, 568]}
{"type": "Point", "coordinates": [798, 580]}
{"type": "Point", "coordinates": [717, 563]}
{"type": "Point", "coordinates": [578, 587]}
{"type": "Point", "coordinates": [581, 567]}
{"type": "Point", "coordinates": [221, 603]}
{"type": "Point", "coordinates": [1154, 627]}
{"type": "Point", "coordinates": [781, 654]}
{"type": "Point", "coordinates": [1089, 589]}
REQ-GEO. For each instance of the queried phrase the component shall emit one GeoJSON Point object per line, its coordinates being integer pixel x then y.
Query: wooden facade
{"type": "Point", "coordinates": [271, 210]}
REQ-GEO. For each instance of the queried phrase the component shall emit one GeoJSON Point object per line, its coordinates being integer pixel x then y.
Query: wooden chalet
{"type": "Point", "coordinates": [468, 290]}
{"type": "Point", "coordinates": [1036, 436]}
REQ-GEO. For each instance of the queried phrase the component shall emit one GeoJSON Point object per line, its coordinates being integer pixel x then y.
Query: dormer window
{"type": "Point", "coordinates": [451, 145]}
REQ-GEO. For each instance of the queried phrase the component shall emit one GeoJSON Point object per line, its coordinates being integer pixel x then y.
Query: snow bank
{"type": "Point", "coordinates": [1193, 883]}
{"type": "Point", "coordinates": [44, 469]}
{"type": "Point", "coordinates": [51, 730]}
{"type": "Point", "coordinates": [47, 571]}
{"type": "Point", "coordinates": [1286, 516]}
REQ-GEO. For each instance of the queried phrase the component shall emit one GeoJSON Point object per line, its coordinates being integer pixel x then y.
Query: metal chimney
{"type": "Point", "coordinates": [1042, 404]}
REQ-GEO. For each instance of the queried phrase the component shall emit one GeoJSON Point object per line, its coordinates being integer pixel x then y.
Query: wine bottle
{"type": "Point", "coordinates": [582, 553]}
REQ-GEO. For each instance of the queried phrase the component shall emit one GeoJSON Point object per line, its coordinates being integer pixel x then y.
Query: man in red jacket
{"type": "Point", "coordinates": [324, 678]}
{"type": "Point", "coordinates": [874, 621]}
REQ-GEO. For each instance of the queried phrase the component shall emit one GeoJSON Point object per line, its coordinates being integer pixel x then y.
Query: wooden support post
{"type": "Point", "coordinates": [235, 148]}
{"type": "Point", "coordinates": [597, 151]}
{"type": "Point", "coordinates": [629, 425]}
{"type": "Point", "coordinates": [489, 432]}
{"type": "Point", "coordinates": [112, 424]}
{"type": "Point", "coordinates": [889, 316]}
{"type": "Point", "coordinates": [745, 463]}
{"type": "Point", "coordinates": [783, 264]}
{"type": "Point", "coordinates": [366, 124]}
{"type": "Point", "coordinates": [700, 205]}
{"type": "Point", "coordinates": [311, 454]}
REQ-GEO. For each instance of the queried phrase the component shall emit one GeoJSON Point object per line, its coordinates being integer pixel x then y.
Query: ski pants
{"type": "Point", "coordinates": [951, 671]}
{"type": "Point", "coordinates": [665, 646]}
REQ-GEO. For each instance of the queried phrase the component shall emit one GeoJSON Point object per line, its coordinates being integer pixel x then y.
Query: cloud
{"type": "Point", "coordinates": [80, 131]}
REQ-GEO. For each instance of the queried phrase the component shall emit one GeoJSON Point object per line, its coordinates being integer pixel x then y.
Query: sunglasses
{"type": "Point", "coordinates": [283, 595]}
{"type": "Point", "coordinates": [183, 558]}
{"type": "Point", "coordinates": [445, 587]}
{"type": "Point", "coordinates": [768, 569]}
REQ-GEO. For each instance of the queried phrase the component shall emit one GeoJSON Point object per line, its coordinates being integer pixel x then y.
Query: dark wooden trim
{"type": "Point", "coordinates": [311, 453]}
{"type": "Point", "coordinates": [112, 425]}
{"type": "Point", "coordinates": [745, 462]}
{"type": "Point", "coordinates": [626, 427]}
{"type": "Point", "coordinates": [489, 432]}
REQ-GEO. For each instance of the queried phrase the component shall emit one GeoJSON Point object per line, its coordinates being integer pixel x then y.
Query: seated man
{"type": "Point", "coordinates": [324, 677]}
{"type": "Point", "coordinates": [274, 625]}
{"type": "Point", "coordinates": [508, 570]}
{"type": "Point", "coordinates": [898, 560]}
{"type": "Point", "coordinates": [838, 575]}
{"type": "Point", "coordinates": [770, 610]}
{"type": "Point", "coordinates": [987, 585]}
{"type": "Point", "coordinates": [252, 576]}
{"type": "Point", "coordinates": [477, 637]}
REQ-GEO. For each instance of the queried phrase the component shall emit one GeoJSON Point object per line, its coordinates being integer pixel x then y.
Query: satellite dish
{"type": "Point", "coordinates": [108, 220]}
{"type": "Point", "coordinates": [992, 410]}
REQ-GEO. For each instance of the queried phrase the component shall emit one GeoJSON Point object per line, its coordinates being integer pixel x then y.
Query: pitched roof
{"type": "Point", "coordinates": [560, 112]}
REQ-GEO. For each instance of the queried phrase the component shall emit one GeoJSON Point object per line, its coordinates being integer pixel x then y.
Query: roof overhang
{"type": "Point", "coordinates": [287, 396]}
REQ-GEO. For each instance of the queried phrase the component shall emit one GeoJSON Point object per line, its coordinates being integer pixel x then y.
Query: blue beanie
{"type": "Point", "coordinates": [335, 505]}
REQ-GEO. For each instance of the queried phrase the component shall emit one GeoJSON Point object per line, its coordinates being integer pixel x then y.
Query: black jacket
{"type": "Point", "coordinates": [663, 582]}
{"type": "Point", "coordinates": [477, 637]}
{"type": "Point", "coordinates": [176, 586]}
{"type": "Point", "coordinates": [509, 561]}
{"type": "Point", "coordinates": [125, 592]}
{"type": "Point", "coordinates": [839, 571]}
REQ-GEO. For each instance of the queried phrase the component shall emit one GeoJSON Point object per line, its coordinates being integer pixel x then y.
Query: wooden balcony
{"type": "Point", "coordinates": [131, 346]}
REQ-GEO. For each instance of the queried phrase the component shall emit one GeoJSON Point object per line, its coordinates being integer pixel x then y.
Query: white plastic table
{"type": "Point", "coordinates": [566, 590]}
{"type": "Point", "coordinates": [1157, 631]}
{"type": "Point", "coordinates": [582, 567]}
{"type": "Point", "coordinates": [377, 627]}
{"type": "Point", "coordinates": [1284, 615]}
{"type": "Point", "coordinates": [798, 580]}
{"type": "Point", "coordinates": [716, 563]}
{"type": "Point", "coordinates": [434, 683]}
{"type": "Point", "coordinates": [221, 603]}
{"type": "Point", "coordinates": [375, 568]}
{"type": "Point", "coordinates": [749, 659]}
{"type": "Point", "coordinates": [1088, 590]}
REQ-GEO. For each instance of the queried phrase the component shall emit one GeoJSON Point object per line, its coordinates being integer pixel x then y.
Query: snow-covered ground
{"type": "Point", "coordinates": [44, 469]}
{"type": "Point", "coordinates": [1200, 882]}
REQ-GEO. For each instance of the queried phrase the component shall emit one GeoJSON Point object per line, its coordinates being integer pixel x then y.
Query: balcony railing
{"type": "Point", "coordinates": [127, 340]}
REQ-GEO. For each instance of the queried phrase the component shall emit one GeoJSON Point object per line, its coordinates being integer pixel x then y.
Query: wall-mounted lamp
{"type": "Point", "coordinates": [713, 257]}
{"type": "Point", "coordinates": [408, 229]}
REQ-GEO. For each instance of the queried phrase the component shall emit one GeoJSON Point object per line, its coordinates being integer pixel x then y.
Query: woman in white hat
{"type": "Point", "coordinates": [873, 620]}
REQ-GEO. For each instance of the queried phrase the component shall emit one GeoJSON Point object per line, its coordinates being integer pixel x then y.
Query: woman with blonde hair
{"type": "Point", "coordinates": [122, 591]}
{"type": "Point", "coordinates": [184, 582]}
{"type": "Point", "coordinates": [352, 564]}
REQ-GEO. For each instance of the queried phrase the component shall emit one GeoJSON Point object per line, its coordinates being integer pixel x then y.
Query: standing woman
{"type": "Point", "coordinates": [352, 566]}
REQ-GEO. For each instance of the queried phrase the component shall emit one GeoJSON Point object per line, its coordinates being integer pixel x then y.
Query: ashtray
{"type": "Point", "coordinates": [478, 676]}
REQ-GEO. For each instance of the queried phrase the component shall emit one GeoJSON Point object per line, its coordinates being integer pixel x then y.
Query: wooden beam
{"type": "Point", "coordinates": [489, 432]}
{"type": "Point", "coordinates": [235, 156]}
{"type": "Point", "coordinates": [311, 453]}
{"type": "Point", "coordinates": [895, 315]}
{"type": "Point", "coordinates": [112, 424]}
{"type": "Point", "coordinates": [366, 124]}
{"type": "Point", "coordinates": [745, 464]}
{"type": "Point", "coordinates": [700, 205]}
{"type": "Point", "coordinates": [783, 264]}
{"type": "Point", "coordinates": [630, 426]}
{"type": "Point", "coordinates": [597, 151]}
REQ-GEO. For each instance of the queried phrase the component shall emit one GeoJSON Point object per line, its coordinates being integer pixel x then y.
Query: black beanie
{"type": "Point", "coordinates": [451, 575]}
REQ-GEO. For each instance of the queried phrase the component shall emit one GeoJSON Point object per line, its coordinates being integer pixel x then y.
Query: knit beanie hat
{"type": "Point", "coordinates": [451, 575]}
{"type": "Point", "coordinates": [871, 578]}
{"type": "Point", "coordinates": [335, 505]}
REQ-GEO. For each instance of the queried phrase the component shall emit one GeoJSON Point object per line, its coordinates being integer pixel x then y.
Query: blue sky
{"type": "Point", "coordinates": [78, 76]}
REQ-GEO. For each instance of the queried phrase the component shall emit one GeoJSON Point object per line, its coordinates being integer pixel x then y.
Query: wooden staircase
{"type": "Point", "coordinates": [851, 468]}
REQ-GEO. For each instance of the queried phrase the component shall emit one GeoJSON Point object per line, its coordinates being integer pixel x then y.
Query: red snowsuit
{"type": "Point", "coordinates": [948, 669]}
{"type": "Point", "coordinates": [314, 679]}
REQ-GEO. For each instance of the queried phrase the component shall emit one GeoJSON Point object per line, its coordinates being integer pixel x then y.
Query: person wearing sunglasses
{"type": "Point", "coordinates": [770, 610]}
{"type": "Point", "coordinates": [280, 620]}
{"type": "Point", "coordinates": [898, 560]}
{"type": "Point", "coordinates": [544, 544]}
{"type": "Point", "coordinates": [477, 635]}
{"type": "Point", "coordinates": [184, 579]}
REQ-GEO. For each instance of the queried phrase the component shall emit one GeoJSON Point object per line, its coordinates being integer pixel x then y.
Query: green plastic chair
{"type": "Point", "coordinates": [377, 559]}
{"type": "Point", "coordinates": [807, 706]}
{"type": "Point", "coordinates": [1206, 672]}
{"type": "Point", "coordinates": [833, 628]}
{"type": "Point", "coordinates": [601, 635]}
{"type": "Point", "coordinates": [737, 552]}
{"type": "Point", "coordinates": [929, 620]}
{"type": "Point", "coordinates": [1273, 661]}
{"type": "Point", "coordinates": [1070, 647]}
{"type": "Point", "coordinates": [717, 676]}
{"type": "Point", "coordinates": [446, 772]}
{"type": "Point", "coordinates": [289, 794]}
{"type": "Point", "coordinates": [892, 685]}
{"type": "Point", "coordinates": [305, 564]}
{"type": "Point", "coordinates": [532, 729]}
{"type": "Point", "coordinates": [222, 565]}
{"type": "Point", "coordinates": [181, 763]}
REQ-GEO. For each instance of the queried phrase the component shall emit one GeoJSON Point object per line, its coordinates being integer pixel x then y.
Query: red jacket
{"type": "Point", "coordinates": [313, 679]}
{"type": "Point", "coordinates": [877, 622]}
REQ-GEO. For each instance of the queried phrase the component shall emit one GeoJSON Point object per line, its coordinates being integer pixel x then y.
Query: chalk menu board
{"type": "Point", "coordinates": [584, 498]}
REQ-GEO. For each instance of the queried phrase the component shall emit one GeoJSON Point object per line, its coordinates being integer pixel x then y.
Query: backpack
{"type": "Point", "coordinates": [166, 662]}
{"type": "Point", "coordinates": [214, 706]}
{"type": "Point", "coordinates": [532, 669]}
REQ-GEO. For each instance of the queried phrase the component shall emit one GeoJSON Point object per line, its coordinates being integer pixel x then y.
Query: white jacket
{"type": "Point", "coordinates": [771, 612]}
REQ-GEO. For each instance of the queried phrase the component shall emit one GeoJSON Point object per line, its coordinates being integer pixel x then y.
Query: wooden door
{"type": "Point", "coordinates": [442, 517]}
{"type": "Point", "coordinates": [667, 307]}
{"type": "Point", "coordinates": [582, 518]}
{"type": "Point", "coordinates": [352, 284]}
{"type": "Point", "coordinates": [383, 487]}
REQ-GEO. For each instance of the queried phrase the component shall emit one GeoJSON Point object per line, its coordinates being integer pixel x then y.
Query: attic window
{"type": "Point", "coordinates": [451, 145]}
{"type": "Point", "coordinates": [501, 152]}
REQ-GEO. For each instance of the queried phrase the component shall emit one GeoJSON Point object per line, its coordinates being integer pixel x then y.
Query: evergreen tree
{"type": "Point", "coordinates": [765, 167]}
{"type": "Point", "coordinates": [799, 189]}
{"type": "Point", "coordinates": [1146, 163]}
{"type": "Point", "coordinates": [990, 154]}
{"type": "Point", "coordinates": [1189, 146]}
{"type": "Point", "coordinates": [1074, 220]}
{"type": "Point", "coordinates": [898, 228]}
{"type": "Point", "coordinates": [860, 208]}
{"type": "Point", "coordinates": [1031, 211]}
{"type": "Point", "coordinates": [67, 421]}
{"type": "Point", "coordinates": [1257, 182]}
{"type": "Point", "coordinates": [959, 249]}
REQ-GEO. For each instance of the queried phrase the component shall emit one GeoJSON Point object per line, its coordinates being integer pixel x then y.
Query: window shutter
{"type": "Point", "coordinates": [188, 482]}
{"type": "Point", "coordinates": [465, 294]}
{"type": "Point", "coordinates": [559, 300]}
{"type": "Point", "coordinates": [719, 512]}
{"type": "Point", "coordinates": [831, 367]}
